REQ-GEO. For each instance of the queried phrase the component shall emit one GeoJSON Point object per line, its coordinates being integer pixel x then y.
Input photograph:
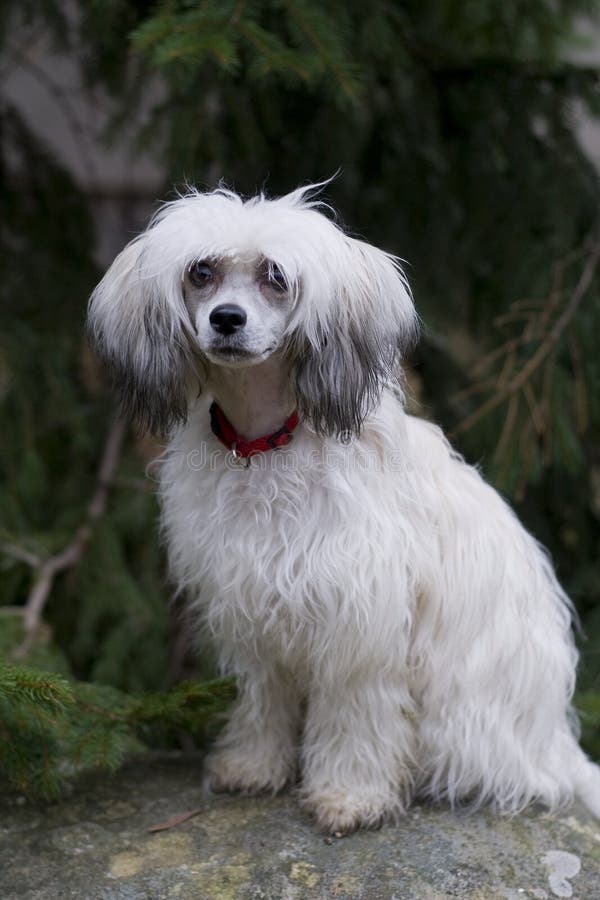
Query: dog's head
{"type": "Point", "coordinates": [216, 281]}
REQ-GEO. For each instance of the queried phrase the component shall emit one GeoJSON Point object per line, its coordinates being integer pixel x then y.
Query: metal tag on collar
{"type": "Point", "coordinates": [237, 459]}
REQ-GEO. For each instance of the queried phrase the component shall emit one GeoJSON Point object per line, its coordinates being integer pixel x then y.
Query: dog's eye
{"type": "Point", "coordinates": [200, 273]}
{"type": "Point", "coordinates": [276, 278]}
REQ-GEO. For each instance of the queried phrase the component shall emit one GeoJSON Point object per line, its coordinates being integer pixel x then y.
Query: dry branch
{"type": "Point", "coordinates": [507, 389]}
{"type": "Point", "coordinates": [47, 570]}
{"type": "Point", "coordinates": [63, 101]}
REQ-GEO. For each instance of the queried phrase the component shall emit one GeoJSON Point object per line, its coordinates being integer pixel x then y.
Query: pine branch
{"type": "Point", "coordinates": [314, 23]}
{"type": "Point", "coordinates": [51, 727]}
{"type": "Point", "coordinates": [22, 684]}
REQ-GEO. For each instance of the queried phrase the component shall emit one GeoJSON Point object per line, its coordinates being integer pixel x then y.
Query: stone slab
{"type": "Point", "coordinates": [94, 845]}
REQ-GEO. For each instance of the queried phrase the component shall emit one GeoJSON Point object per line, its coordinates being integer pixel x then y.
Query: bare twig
{"type": "Point", "coordinates": [21, 554]}
{"type": "Point", "coordinates": [580, 391]}
{"type": "Point", "coordinates": [535, 410]}
{"type": "Point", "coordinates": [175, 820]}
{"type": "Point", "coordinates": [545, 404]}
{"type": "Point", "coordinates": [509, 421]}
{"type": "Point", "coordinates": [507, 368]}
{"type": "Point", "coordinates": [526, 451]}
{"type": "Point", "coordinates": [531, 303]}
{"type": "Point", "coordinates": [482, 364]}
{"type": "Point", "coordinates": [514, 384]}
{"type": "Point", "coordinates": [478, 388]}
{"type": "Point", "coordinates": [47, 570]}
{"type": "Point", "coordinates": [514, 315]}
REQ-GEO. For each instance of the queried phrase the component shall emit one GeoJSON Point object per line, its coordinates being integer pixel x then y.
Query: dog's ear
{"type": "Point", "coordinates": [140, 327]}
{"type": "Point", "coordinates": [355, 348]}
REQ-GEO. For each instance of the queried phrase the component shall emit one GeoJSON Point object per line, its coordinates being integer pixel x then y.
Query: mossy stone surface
{"type": "Point", "coordinates": [94, 845]}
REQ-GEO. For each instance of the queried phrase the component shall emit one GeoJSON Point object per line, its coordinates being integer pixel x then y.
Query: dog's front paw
{"type": "Point", "coordinates": [338, 812]}
{"type": "Point", "coordinates": [240, 772]}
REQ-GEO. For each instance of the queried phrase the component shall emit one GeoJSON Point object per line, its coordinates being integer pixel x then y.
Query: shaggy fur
{"type": "Point", "coordinates": [394, 629]}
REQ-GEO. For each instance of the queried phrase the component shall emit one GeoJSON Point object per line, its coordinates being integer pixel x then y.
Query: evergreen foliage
{"type": "Point", "coordinates": [454, 127]}
{"type": "Point", "coordinates": [52, 729]}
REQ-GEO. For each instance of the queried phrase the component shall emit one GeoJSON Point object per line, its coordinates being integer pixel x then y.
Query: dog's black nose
{"type": "Point", "coordinates": [227, 318]}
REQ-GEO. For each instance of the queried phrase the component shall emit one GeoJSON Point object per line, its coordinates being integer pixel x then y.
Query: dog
{"type": "Point", "coordinates": [394, 630]}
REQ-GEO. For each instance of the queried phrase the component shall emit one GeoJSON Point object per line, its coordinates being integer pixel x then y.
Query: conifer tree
{"type": "Point", "coordinates": [453, 128]}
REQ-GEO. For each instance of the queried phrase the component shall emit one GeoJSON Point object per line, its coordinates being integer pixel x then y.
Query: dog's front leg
{"type": "Point", "coordinates": [357, 752]}
{"type": "Point", "coordinates": [256, 751]}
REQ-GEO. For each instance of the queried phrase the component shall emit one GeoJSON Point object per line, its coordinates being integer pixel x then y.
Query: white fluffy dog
{"type": "Point", "coordinates": [394, 629]}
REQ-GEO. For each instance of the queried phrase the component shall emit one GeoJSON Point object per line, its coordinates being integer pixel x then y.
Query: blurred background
{"type": "Point", "coordinates": [466, 138]}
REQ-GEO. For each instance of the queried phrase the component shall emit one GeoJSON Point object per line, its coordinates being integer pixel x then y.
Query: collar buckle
{"type": "Point", "coordinates": [243, 462]}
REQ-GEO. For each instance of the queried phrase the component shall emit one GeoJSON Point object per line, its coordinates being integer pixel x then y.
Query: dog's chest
{"type": "Point", "coordinates": [272, 555]}
{"type": "Point", "coordinates": [268, 533]}
{"type": "Point", "coordinates": [291, 555]}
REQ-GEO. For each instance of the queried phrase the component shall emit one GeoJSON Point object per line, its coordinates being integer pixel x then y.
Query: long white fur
{"type": "Point", "coordinates": [391, 623]}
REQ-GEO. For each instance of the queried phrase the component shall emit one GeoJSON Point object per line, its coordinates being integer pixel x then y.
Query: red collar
{"type": "Point", "coordinates": [229, 437]}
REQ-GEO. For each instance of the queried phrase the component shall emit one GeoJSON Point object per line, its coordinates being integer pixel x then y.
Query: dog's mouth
{"type": "Point", "coordinates": [228, 353]}
{"type": "Point", "coordinates": [232, 352]}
